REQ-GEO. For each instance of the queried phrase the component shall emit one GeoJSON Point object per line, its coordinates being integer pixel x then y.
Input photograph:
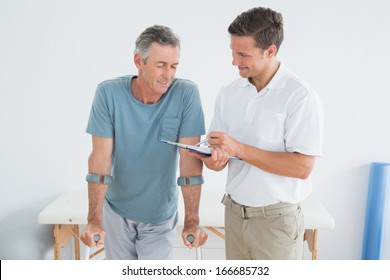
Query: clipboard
{"type": "Point", "coordinates": [192, 148]}
{"type": "Point", "coordinates": [197, 149]}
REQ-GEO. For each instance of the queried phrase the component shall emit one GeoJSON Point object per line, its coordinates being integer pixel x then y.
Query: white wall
{"type": "Point", "coordinates": [53, 54]}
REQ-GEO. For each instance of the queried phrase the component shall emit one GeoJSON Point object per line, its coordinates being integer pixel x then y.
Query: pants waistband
{"type": "Point", "coordinates": [247, 212]}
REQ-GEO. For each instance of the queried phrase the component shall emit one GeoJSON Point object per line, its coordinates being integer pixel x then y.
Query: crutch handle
{"type": "Point", "coordinates": [96, 238]}
{"type": "Point", "coordinates": [190, 238]}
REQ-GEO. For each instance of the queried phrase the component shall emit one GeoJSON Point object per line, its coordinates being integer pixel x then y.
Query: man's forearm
{"type": "Point", "coordinates": [101, 165]}
{"type": "Point", "coordinates": [191, 197]}
{"type": "Point", "coordinates": [190, 166]}
{"type": "Point", "coordinates": [281, 163]}
{"type": "Point", "coordinates": [96, 194]}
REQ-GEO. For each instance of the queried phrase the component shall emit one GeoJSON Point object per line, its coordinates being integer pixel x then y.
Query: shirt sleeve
{"type": "Point", "coordinates": [100, 122]}
{"type": "Point", "coordinates": [304, 126]}
{"type": "Point", "coordinates": [192, 117]}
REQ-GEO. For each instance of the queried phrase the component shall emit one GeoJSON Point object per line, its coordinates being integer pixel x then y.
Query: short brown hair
{"type": "Point", "coordinates": [263, 24]}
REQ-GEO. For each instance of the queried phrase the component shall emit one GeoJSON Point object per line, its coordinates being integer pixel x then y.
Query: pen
{"type": "Point", "coordinates": [202, 142]}
{"type": "Point", "coordinates": [207, 139]}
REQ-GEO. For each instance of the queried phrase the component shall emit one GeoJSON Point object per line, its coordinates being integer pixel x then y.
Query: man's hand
{"type": "Point", "coordinates": [222, 147]}
{"type": "Point", "coordinates": [89, 236]}
{"type": "Point", "coordinates": [224, 142]}
{"type": "Point", "coordinates": [216, 161]}
{"type": "Point", "coordinates": [199, 237]}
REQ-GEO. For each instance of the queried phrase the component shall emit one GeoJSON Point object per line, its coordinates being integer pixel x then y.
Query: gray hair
{"type": "Point", "coordinates": [157, 33]}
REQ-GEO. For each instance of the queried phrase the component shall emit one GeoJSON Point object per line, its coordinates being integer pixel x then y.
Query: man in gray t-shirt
{"type": "Point", "coordinates": [132, 172]}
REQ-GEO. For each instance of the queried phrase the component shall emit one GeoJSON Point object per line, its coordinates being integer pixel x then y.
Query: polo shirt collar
{"type": "Point", "coordinates": [278, 80]}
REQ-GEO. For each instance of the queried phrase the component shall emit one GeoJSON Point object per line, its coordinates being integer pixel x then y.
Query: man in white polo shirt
{"type": "Point", "coordinates": [272, 121]}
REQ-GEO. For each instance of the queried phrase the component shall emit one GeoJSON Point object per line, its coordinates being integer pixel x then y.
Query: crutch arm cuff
{"type": "Point", "coordinates": [190, 181]}
{"type": "Point", "coordinates": [99, 179]}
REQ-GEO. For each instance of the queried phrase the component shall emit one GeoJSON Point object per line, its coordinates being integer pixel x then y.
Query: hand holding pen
{"type": "Point", "coordinates": [202, 142]}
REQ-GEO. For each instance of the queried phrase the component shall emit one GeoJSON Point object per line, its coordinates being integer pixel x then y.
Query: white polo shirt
{"type": "Point", "coordinates": [286, 116]}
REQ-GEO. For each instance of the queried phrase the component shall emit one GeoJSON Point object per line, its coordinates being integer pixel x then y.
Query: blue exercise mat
{"type": "Point", "coordinates": [378, 189]}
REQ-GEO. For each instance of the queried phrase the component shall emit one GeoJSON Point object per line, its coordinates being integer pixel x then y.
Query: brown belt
{"type": "Point", "coordinates": [247, 212]}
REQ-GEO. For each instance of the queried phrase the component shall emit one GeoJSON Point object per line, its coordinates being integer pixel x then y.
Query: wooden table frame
{"type": "Point", "coordinates": [62, 235]}
{"type": "Point", "coordinates": [70, 210]}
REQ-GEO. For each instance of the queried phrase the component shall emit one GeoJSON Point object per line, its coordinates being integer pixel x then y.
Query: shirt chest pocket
{"type": "Point", "coordinates": [270, 126]}
{"type": "Point", "coordinates": [169, 129]}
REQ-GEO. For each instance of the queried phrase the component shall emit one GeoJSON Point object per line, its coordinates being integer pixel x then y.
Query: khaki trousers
{"type": "Point", "coordinates": [274, 232]}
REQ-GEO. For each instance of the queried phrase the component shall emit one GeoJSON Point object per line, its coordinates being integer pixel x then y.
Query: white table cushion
{"type": "Point", "coordinates": [72, 208]}
{"type": "Point", "coordinates": [69, 208]}
{"type": "Point", "coordinates": [316, 216]}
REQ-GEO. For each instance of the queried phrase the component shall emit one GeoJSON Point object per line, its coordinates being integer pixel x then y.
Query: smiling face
{"type": "Point", "coordinates": [250, 59]}
{"type": "Point", "coordinates": [157, 72]}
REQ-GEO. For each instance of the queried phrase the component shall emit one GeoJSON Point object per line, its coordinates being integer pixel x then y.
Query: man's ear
{"type": "Point", "coordinates": [137, 60]}
{"type": "Point", "coordinates": [271, 51]}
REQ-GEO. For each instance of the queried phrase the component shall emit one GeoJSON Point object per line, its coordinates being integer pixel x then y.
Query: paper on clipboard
{"type": "Point", "coordinates": [197, 149]}
{"type": "Point", "coordinates": [192, 148]}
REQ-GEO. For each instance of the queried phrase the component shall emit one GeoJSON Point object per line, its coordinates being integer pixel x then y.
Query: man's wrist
{"type": "Point", "coordinates": [191, 222]}
{"type": "Point", "coordinates": [239, 150]}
